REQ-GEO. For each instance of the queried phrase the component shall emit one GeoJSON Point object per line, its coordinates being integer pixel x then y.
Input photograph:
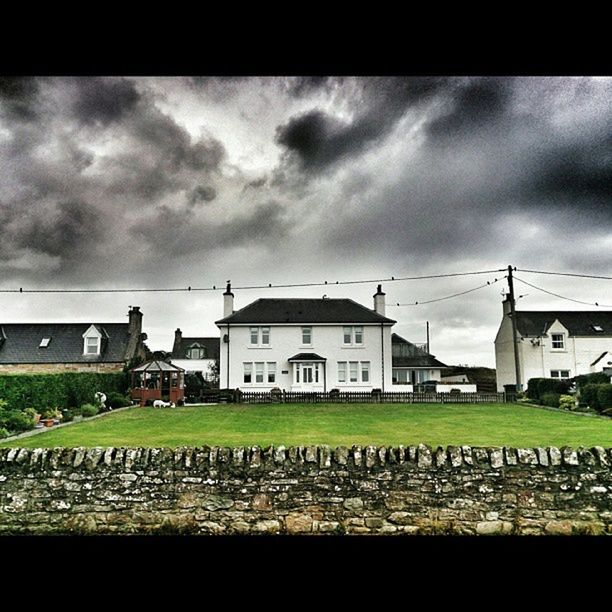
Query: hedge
{"type": "Point", "coordinates": [62, 390]}
{"type": "Point", "coordinates": [538, 387]}
{"type": "Point", "coordinates": [604, 396]}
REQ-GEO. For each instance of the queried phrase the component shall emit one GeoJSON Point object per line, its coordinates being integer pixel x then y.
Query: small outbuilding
{"type": "Point", "coordinates": [157, 380]}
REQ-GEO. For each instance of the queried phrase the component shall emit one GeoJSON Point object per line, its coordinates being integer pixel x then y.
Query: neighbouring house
{"type": "Point", "coordinates": [41, 348]}
{"type": "Point", "coordinates": [196, 355]}
{"type": "Point", "coordinates": [300, 344]}
{"type": "Point", "coordinates": [553, 344]}
{"type": "Point", "coordinates": [412, 364]}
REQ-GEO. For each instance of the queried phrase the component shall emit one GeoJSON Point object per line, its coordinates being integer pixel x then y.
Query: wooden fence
{"type": "Point", "coordinates": [366, 397]}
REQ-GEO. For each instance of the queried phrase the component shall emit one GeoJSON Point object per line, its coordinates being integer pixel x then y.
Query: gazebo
{"type": "Point", "coordinates": [157, 379]}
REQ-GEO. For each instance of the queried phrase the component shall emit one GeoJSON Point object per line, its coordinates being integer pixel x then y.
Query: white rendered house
{"type": "Point", "coordinates": [553, 344]}
{"type": "Point", "coordinates": [305, 345]}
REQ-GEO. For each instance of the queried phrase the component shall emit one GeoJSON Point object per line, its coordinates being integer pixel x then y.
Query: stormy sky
{"type": "Point", "coordinates": [169, 182]}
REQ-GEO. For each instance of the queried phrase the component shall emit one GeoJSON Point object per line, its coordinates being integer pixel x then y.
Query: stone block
{"type": "Point", "coordinates": [298, 523]}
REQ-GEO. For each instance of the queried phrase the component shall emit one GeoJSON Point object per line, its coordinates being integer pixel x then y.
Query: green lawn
{"type": "Point", "coordinates": [335, 424]}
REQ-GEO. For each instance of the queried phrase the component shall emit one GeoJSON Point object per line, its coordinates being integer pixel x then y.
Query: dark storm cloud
{"type": "Point", "coordinates": [579, 170]}
{"type": "Point", "coordinates": [103, 101]}
{"type": "Point", "coordinates": [71, 226]}
{"type": "Point", "coordinates": [180, 231]}
{"type": "Point", "coordinates": [317, 140]}
{"type": "Point", "coordinates": [19, 97]}
{"type": "Point", "coordinates": [298, 87]}
{"type": "Point", "coordinates": [202, 193]}
{"type": "Point", "coordinates": [473, 106]}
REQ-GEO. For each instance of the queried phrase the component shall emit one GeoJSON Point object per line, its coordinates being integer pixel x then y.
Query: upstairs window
{"type": "Point", "coordinates": [260, 336]}
{"type": "Point", "coordinates": [196, 352]}
{"type": "Point", "coordinates": [307, 335]}
{"type": "Point", "coordinates": [558, 341]}
{"type": "Point", "coordinates": [44, 343]}
{"type": "Point", "coordinates": [352, 335]}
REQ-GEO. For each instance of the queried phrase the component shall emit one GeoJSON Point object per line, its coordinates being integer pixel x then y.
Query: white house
{"type": "Point", "coordinates": [553, 344]}
{"type": "Point", "coordinates": [305, 345]}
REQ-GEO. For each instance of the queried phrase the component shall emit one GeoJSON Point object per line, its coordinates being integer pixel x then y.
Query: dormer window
{"type": "Point", "coordinates": [44, 343]}
{"type": "Point", "coordinates": [92, 341]}
{"type": "Point", "coordinates": [196, 352]}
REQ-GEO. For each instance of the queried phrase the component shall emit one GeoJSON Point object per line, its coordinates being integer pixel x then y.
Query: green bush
{"type": "Point", "coordinates": [117, 400]}
{"type": "Point", "coordinates": [64, 390]}
{"type": "Point", "coordinates": [567, 402]}
{"type": "Point", "coordinates": [16, 421]}
{"type": "Point", "coordinates": [588, 395]}
{"type": "Point", "coordinates": [550, 399]}
{"type": "Point", "coordinates": [4, 433]}
{"type": "Point", "coordinates": [596, 378]}
{"type": "Point", "coordinates": [604, 397]}
{"type": "Point", "coordinates": [89, 410]}
{"type": "Point", "coordinates": [538, 387]}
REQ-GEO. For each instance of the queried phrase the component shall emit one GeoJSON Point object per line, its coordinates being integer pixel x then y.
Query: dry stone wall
{"type": "Point", "coordinates": [305, 490]}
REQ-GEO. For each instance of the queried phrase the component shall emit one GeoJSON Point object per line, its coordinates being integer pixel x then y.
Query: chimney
{"type": "Point", "coordinates": [228, 301]}
{"type": "Point", "coordinates": [506, 305]}
{"type": "Point", "coordinates": [379, 301]}
{"type": "Point", "coordinates": [178, 337]}
{"type": "Point", "coordinates": [135, 332]}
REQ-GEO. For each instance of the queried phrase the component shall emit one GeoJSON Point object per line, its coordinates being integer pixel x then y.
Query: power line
{"type": "Point", "coordinates": [565, 274]}
{"type": "Point", "coordinates": [448, 297]}
{"type": "Point", "coordinates": [244, 287]}
{"type": "Point", "coordinates": [562, 296]}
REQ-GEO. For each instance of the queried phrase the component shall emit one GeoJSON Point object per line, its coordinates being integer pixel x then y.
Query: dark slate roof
{"type": "Point", "coordinates": [578, 323]}
{"type": "Point", "coordinates": [305, 310]}
{"type": "Point", "coordinates": [407, 355]}
{"type": "Point", "coordinates": [210, 344]}
{"type": "Point", "coordinates": [21, 342]}
{"type": "Point", "coordinates": [307, 357]}
{"type": "Point", "coordinates": [418, 361]}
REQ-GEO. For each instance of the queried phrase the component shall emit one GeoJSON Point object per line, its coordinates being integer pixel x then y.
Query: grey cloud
{"type": "Point", "coordinates": [202, 193]}
{"type": "Point", "coordinates": [176, 232]}
{"type": "Point", "coordinates": [317, 140]}
{"type": "Point", "coordinates": [473, 106]}
{"type": "Point", "coordinates": [303, 86]}
{"type": "Point", "coordinates": [19, 97]}
{"type": "Point", "coordinates": [102, 101]}
{"type": "Point", "coordinates": [65, 231]}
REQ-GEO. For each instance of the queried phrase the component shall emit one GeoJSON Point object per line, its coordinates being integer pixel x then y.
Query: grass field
{"type": "Point", "coordinates": [335, 424]}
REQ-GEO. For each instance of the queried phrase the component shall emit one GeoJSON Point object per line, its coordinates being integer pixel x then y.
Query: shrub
{"type": "Point", "coordinates": [588, 395]}
{"type": "Point", "coordinates": [550, 399]}
{"type": "Point", "coordinates": [67, 415]}
{"type": "Point", "coordinates": [567, 402]}
{"type": "Point", "coordinates": [596, 378]}
{"type": "Point", "coordinates": [4, 433]}
{"type": "Point", "coordinates": [16, 421]}
{"type": "Point", "coordinates": [89, 410]}
{"type": "Point", "coordinates": [538, 387]}
{"type": "Point", "coordinates": [117, 400]}
{"type": "Point", "coordinates": [604, 397]}
{"type": "Point", "coordinates": [50, 413]}
{"type": "Point", "coordinates": [180, 402]}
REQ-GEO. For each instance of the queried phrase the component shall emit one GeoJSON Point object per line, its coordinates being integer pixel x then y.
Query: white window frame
{"type": "Point", "coordinates": [353, 332]}
{"type": "Point", "coordinates": [552, 341]}
{"type": "Point", "coordinates": [347, 368]}
{"type": "Point", "coordinates": [308, 330]}
{"type": "Point", "coordinates": [365, 367]}
{"type": "Point", "coordinates": [260, 370]}
{"type": "Point", "coordinates": [88, 346]}
{"type": "Point", "coordinates": [559, 372]}
{"type": "Point", "coordinates": [342, 371]}
{"type": "Point", "coordinates": [261, 332]}
{"type": "Point", "coordinates": [271, 371]}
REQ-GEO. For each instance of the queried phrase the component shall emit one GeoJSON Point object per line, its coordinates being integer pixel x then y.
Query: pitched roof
{"type": "Point", "coordinates": [577, 323]}
{"type": "Point", "coordinates": [210, 344]}
{"type": "Point", "coordinates": [156, 365]}
{"type": "Point", "coordinates": [305, 310]}
{"type": "Point", "coordinates": [21, 342]}
{"type": "Point", "coordinates": [408, 355]}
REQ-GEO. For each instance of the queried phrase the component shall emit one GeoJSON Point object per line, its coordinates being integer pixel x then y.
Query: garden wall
{"type": "Point", "coordinates": [377, 490]}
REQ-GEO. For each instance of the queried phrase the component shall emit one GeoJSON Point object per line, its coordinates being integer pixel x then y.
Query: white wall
{"type": "Point", "coordinates": [537, 359]}
{"type": "Point", "coordinates": [286, 341]}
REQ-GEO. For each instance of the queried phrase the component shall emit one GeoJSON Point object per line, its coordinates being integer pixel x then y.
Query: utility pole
{"type": "Point", "coordinates": [428, 336]}
{"type": "Point", "coordinates": [517, 367]}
